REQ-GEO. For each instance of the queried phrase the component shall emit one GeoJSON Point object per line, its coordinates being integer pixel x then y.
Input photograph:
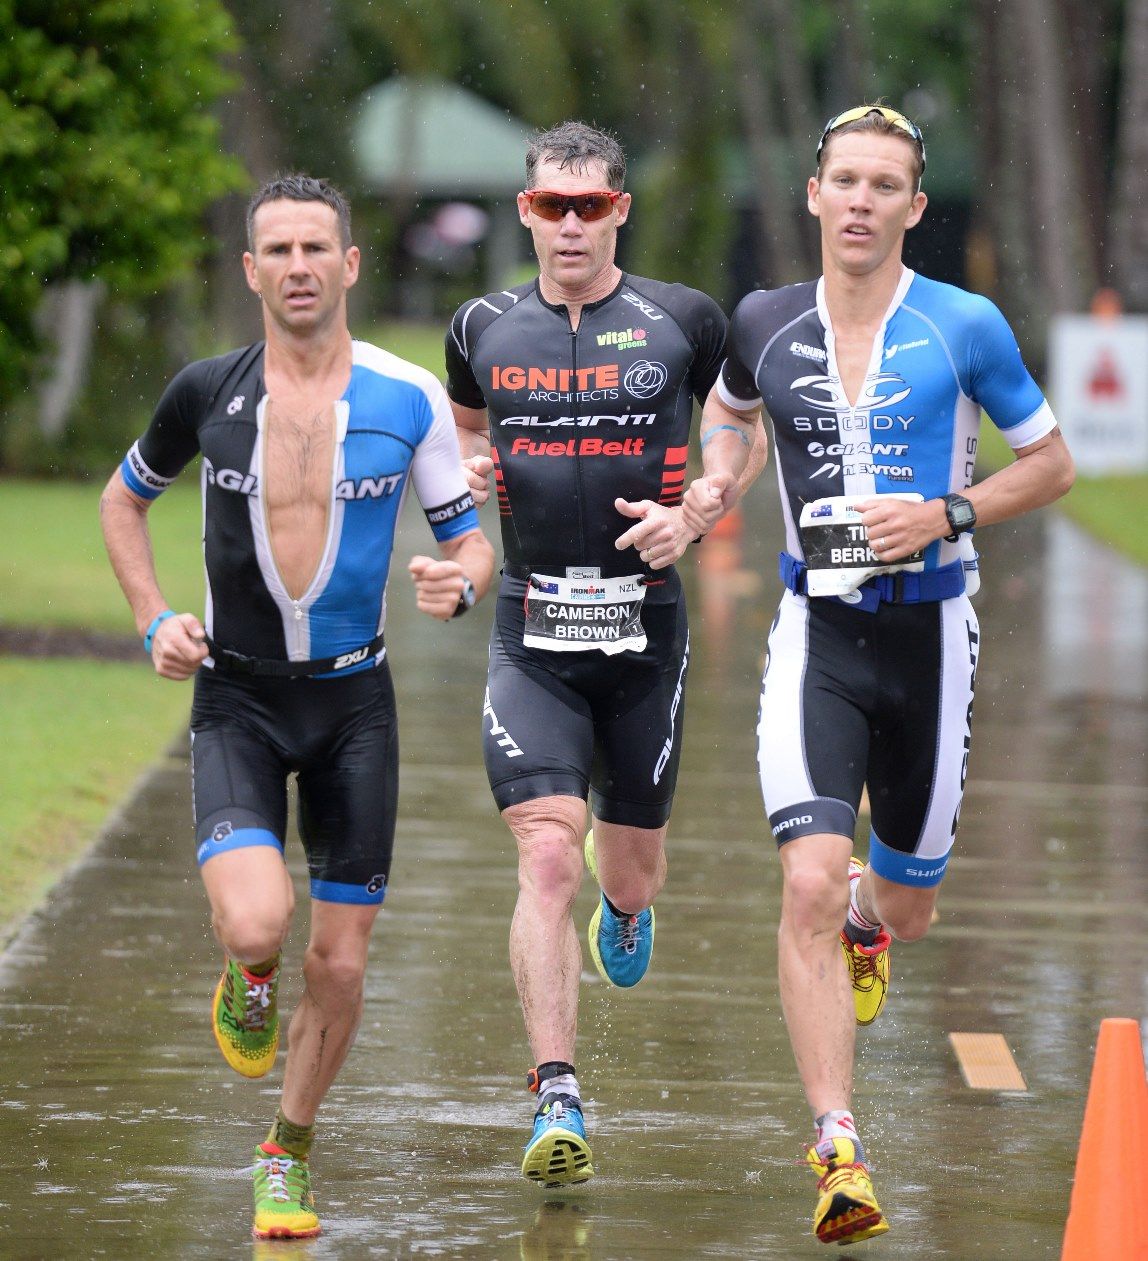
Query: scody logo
{"type": "Point", "coordinates": [832, 393]}
{"type": "Point", "coordinates": [623, 339]}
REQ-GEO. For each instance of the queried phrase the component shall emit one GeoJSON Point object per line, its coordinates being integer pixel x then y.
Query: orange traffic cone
{"type": "Point", "coordinates": [1108, 1216]}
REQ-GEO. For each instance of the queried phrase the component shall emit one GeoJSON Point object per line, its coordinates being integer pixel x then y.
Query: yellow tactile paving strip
{"type": "Point", "coordinates": [986, 1062]}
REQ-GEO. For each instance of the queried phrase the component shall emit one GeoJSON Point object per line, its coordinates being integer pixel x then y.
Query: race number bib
{"type": "Point", "coordinates": [836, 546]}
{"type": "Point", "coordinates": [577, 614]}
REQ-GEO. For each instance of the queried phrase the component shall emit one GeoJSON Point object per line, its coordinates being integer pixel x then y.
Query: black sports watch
{"type": "Point", "coordinates": [466, 599]}
{"type": "Point", "coordinates": [961, 514]}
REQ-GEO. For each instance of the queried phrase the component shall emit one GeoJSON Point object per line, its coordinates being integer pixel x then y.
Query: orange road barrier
{"type": "Point", "coordinates": [1108, 1215]}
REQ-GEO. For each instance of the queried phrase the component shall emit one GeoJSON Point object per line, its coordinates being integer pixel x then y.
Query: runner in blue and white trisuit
{"type": "Point", "coordinates": [310, 443]}
{"type": "Point", "coordinates": [874, 379]}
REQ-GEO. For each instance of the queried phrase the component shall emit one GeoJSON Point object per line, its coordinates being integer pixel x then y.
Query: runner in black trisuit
{"type": "Point", "coordinates": [577, 392]}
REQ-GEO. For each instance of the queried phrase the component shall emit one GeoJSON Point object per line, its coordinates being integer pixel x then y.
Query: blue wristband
{"type": "Point", "coordinates": [151, 630]}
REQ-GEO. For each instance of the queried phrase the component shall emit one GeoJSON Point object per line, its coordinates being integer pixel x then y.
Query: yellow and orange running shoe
{"type": "Point", "coordinates": [868, 966]}
{"type": "Point", "coordinates": [847, 1209]}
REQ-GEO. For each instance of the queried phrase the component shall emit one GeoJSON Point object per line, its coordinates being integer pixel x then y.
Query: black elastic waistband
{"type": "Point", "coordinates": [651, 577]}
{"type": "Point", "coordinates": [228, 662]}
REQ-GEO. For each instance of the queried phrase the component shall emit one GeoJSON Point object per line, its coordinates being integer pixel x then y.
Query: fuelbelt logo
{"type": "Point", "coordinates": [579, 446]}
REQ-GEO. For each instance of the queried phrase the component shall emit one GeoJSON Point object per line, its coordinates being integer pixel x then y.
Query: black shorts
{"type": "Point", "coordinates": [566, 723]}
{"type": "Point", "coordinates": [853, 699]}
{"type": "Point", "coordinates": [339, 736]}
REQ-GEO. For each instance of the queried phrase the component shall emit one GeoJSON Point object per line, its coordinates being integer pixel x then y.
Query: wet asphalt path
{"type": "Point", "coordinates": [123, 1132]}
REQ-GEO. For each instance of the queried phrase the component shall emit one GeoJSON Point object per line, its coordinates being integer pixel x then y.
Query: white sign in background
{"type": "Point", "coordinates": [1098, 387]}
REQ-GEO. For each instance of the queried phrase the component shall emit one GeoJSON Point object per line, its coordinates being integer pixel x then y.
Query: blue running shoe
{"type": "Point", "coordinates": [558, 1154]}
{"type": "Point", "coordinates": [621, 945]}
{"type": "Point", "coordinates": [622, 951]}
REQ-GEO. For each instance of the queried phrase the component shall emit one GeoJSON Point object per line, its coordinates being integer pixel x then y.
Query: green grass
{"type": "Point", "coordinates": [55, 571]}
{"type": "Point", "coordinates": [420, 343]}
{"type": "Point", "coordinates": [1111, 508]}
{"type": "Point", "coordinates": [86, 731]}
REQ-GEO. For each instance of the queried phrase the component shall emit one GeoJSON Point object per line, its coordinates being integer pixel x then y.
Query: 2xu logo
{"type": "Point", "coordinates": [352, 658]}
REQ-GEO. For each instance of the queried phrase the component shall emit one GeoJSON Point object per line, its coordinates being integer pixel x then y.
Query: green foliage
{"type": "Point", "coordinates": [109, 149]}
{"type": "Point", "coordinates": [128, 371]}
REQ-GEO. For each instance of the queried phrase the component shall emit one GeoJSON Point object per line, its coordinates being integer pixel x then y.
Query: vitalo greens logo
{"type": "Point", "coordinates": [624, 339]}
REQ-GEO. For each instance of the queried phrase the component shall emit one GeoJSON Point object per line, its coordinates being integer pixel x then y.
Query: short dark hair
{"type": "Point", "coordinates": [573, 145]}
{"type": "Point", "coordinates": [297, 187]}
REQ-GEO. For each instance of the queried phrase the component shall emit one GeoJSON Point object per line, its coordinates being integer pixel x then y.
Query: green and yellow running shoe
{"type": "Point", "coordinates": [589, 855]}
{"type": "Point", "coordinates": [284, 1205]}
{"type": "Point", "coordinates": [245, 1019]}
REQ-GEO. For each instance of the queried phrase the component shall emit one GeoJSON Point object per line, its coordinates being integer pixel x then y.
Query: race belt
{"type": "Point", "coordinates": [580, 614]}
{"type": "Point", "coordinates": [838, 557]}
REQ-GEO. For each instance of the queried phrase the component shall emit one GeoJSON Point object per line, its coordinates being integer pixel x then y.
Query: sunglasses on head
{"type": "Point", "coordinates": [589, 207]}
{"type": "Point", "coordinates": [893, 116]}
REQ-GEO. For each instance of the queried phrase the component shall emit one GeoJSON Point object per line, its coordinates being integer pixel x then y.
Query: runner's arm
{"type": "Point", "coordinates": [734, 451]}
{"type": "Point", "coordinates": [439, 584]}
{"type": "Point", "coordinates": [473, 427]}
{"type": "Point", "coordinates": [178, 642]}
{"type": "Point", "coordinates": [1042, 472]}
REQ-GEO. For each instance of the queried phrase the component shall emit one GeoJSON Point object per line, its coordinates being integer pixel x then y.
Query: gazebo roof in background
{"type": "Point", "coordinates": [427, 137]}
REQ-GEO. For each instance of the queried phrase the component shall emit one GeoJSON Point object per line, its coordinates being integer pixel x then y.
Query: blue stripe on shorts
{"type": "Point", "coordinates": [901, 868]}
{"type": "Point", "coordinates": [370, 894]}
{"type": "Point", "coordinates": [241, 838]}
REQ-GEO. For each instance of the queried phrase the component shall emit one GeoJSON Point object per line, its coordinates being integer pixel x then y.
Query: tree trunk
{"type": "Point", "coordinates": [778, 245]}
{"type": "Point", "coordinates": [1089, 34]}
{"type": "Point", "coordinates": [854, 72]}
{"type": "Point", "coordinates": [1057, 209]}
{"type": "Point", "coordinates": [802, 122]}
{"type": "Point", "coordinates": [67, 316]}
{"type": "Point", "coordinates": [1128, 271]}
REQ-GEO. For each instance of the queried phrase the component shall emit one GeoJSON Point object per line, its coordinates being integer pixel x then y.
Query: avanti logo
{"type": "Point", "coordinates": [623, 339]}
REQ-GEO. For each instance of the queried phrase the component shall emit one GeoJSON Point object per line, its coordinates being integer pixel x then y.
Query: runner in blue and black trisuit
{"type": "Point", "coordinates": [874, 379]}
{"type": "Point", "coordinates": [310, 444]}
